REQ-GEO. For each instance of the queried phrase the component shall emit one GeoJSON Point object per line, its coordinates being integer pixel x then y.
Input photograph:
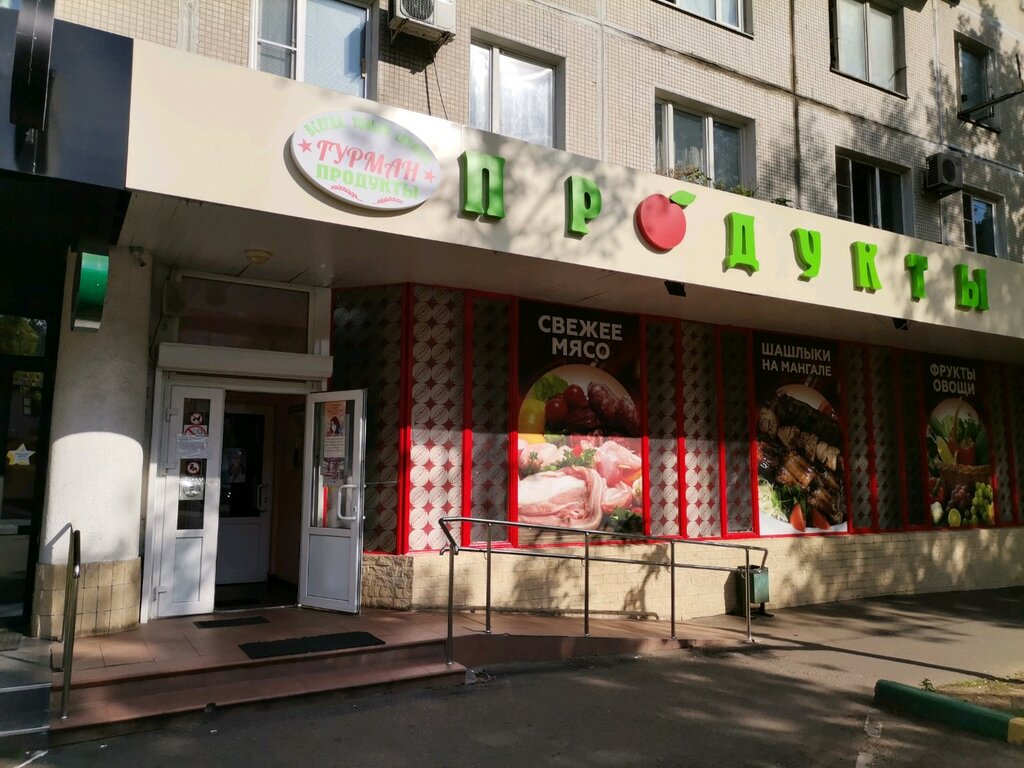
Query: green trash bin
{"type": "Point", "coordinates": [752, 585]}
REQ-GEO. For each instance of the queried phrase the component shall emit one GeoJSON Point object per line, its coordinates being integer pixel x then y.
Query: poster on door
{"type": "Point", "coordinates": [959, 461]}
{"type": "Point", "coordinates": [799, 436]}
{"type": "Point", "coordinates": [579, 419]}
{"type": "Point", "coordinates": [334, 422]}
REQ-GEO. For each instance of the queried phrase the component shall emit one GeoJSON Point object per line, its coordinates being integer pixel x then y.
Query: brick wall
{"type": "Point", "coordinates": [802, 570]}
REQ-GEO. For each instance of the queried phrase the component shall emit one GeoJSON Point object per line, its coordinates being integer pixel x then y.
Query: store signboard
{"type": "Point", "coordinates": [579, 419]}
{"type": "Point", "coordinates": [959, 460]}
{"type": "Point", "coordinates": [365, 160]}
{"type": "Point", "coordinates": [799, 436]}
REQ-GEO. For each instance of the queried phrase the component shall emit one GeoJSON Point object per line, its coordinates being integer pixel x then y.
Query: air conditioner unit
{"type": "Point", "coordinates": [944, 174]}
{"type": "Point", "coordinates": [432, 20]}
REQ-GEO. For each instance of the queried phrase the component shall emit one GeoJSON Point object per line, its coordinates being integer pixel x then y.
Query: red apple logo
{"type": "Point", "coordinates": [661, 220]}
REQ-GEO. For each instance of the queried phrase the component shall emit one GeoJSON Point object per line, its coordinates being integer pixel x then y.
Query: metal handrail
{"type": "Point", "coordinates": [453, 548]}
{"type": "Point", "coordinates": [74, 571]}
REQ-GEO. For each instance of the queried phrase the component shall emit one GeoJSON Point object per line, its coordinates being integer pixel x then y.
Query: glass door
{"type": "Point", "coordinates": [330, 563]}
{"type": "Point", "coordinates": [191, 507]}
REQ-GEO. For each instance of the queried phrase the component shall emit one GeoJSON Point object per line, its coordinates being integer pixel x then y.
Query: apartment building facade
{"type": "Point", "coordinates": [707, 269]}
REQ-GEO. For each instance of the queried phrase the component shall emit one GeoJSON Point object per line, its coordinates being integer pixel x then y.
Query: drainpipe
{"type": "Point", "coordinates": [797, 159]}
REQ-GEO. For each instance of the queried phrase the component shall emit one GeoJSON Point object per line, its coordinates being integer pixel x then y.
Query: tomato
{"type": "Point", "coordinates": [796, 518]}
{"type": "Point", "coordinates": [556, 411]}
{"type": "Point", "coordinates": [818, 520]}
{"type": "Point", "coordinates": [575, 397]}
{"type": "Point", "coordinates": [531, 417]}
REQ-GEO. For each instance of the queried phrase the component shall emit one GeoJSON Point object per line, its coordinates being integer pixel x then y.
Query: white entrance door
{"type": "Point", "coordinates": [330, 564]}
{"type": "Point", "coordinates": [247, 467]}
{"type": "Point", "coordinates": [191, 501]}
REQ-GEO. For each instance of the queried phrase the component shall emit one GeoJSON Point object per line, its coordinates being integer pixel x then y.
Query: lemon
{"type": "Point", "coordinates": [531, 417]}
{"type": "Point", "coordinates": [945, 455]}
{"type": "Point", "coordinates": [954, 518]}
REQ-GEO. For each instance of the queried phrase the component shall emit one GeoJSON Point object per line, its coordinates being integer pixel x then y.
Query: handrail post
{"type": "Point", "coordinates": [449, 645]}
{"type": "Point", "coordinates": [487, 623]}
{"type": "Point", "coordinates": [672, 584]}
{"type": "Point", "coordinates": [586, 583]}
{"type": "Point", "coordinates": [74, 568]}
{"type": "Point", "coordinates": [746, 593]}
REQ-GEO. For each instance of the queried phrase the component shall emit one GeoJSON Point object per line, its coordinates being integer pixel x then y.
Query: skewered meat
{"type": "Point", "coordinates": [769, 458]}
{"type": "Point", "coordinates": [798, 413]}
{"type": "Point", "coordinates": [795, 471]}
{"type": "Point", "coordinates": [789, 436]}
{"type": "Point", "coordinates": [767, 422]}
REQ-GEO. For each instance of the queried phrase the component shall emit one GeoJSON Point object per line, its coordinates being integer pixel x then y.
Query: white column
{"type": "Point", "coordinates": [98, 428]}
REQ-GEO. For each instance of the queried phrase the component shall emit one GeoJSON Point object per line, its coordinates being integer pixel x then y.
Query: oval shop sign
{"type": "Point", "coordinates": [365, 160]}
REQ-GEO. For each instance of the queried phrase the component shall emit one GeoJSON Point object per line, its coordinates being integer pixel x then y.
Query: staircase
{"type": "Point", "coordinates": [121, 704]}
{"type": "Point", "coordinates": [24, 692]}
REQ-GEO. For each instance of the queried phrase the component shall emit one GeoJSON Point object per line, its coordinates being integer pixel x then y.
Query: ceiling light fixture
{"type": "Point", "coordinates": [257, 256]}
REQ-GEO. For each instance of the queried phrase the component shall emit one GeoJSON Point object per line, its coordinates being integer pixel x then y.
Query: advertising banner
{"type": "Point", "coordinates": [579, 419]}
{"type": "Point", "coordinates": [959, 464]}
{"type": "Point", "coordinates": [799, 436]}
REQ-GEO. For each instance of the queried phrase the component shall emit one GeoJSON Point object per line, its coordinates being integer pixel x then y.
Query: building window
{"type": "Point", "coordinates": [698, 147]}
{"type": "Point", "coordinates": [865, 43]}
{"type": "Point", "coordinates": [511, 95]}
{"type": "Point", "coordinates": [723, 11]}
{"type": "Point", "coordinates": [974, 88]}
{"type": "Point", "coordinates": [979, 225]}
{"type": "Point", "coordinates": [867, 194]}
{"type": "Point", "coordinates": [322, 42]}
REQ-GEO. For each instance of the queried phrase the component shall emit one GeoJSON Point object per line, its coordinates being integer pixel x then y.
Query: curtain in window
{"type": "Point", "coordinates": [703, 7]}
{"type": "Point", "coordinates": [973, 85]}
{"type": "Point", "coordinates": [277, 37]}
{"type": "Point", "coordinates": [688, 141]}
{"type": "Point", "coordinates": [334, 46]}
{"type": "Point", "coordinates": [527, 100]}
{"type": "Point", "coordinates": [850, 18]}
{"type": "Point", "coordinates": [727, 155]}
{"type": "Point", "coordinates": [881, 48]}
{"type": "Point", "coordinates": [480, 87]}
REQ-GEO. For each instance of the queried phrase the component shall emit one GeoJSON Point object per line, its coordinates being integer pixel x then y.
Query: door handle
{"type": "Point", "coordinates": [337, 506]}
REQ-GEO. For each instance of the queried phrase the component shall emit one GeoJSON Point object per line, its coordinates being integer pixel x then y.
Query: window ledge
{"type": "Point", "coordinates": [980, 124]}
{"type": "Point", "coordinates": [869, 84]}
{"type": "Point", "coordinates": [719, 24]}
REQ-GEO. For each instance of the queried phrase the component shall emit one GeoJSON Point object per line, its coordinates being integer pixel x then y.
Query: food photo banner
{"type": "Point", "coordinates": [799, 436]}
{"type": "Point", "coordinates": [579, 421]}
{"type": "Point", "coordinates": [959, 462]}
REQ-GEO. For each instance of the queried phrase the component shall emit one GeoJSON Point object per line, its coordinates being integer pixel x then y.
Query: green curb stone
{"type": "Point", "coordinates": [942, 709]}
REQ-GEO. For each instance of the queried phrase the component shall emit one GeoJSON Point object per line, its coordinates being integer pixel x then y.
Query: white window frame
{"type": "Point", "coordinates": [665, 164]}
{"type": "Point", "coordinates": [371, 43]}
{"type": "Point", "coordinates": [898, 49]}
{"type": "Point", "coordinates": [876, 214]}
{"type": "Point", "coordinates": [496, 51]}
{"type": "Point", "coordinates": [997, 229]}
{"type": "Point", "coordinates": [985, 54]}
{"type": "Point", "coordinates": [719, 17]}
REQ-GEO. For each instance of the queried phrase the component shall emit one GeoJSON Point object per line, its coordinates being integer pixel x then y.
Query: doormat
{"type": "Point", "coordinates": [239, 622]}
{"type": "Point", "coordinates": [315, 644]}
{"type": "Point", "coordinates": [9, 640]}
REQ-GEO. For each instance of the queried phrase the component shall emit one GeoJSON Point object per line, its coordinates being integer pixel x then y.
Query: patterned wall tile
{"type": "Point", "coordinates": [886, 436]}
{"type": "Point", "coordinates": [999, 442]}
{"type": "Point", "coordinates": [490, 472]}
{"type": "Point", "coordinates": [663, 454]}
{"type": "Point", "coordinates": [700, 429]}
{"type": "Point", "coordinates": [855, 397]}
{"type": "Point", "coordinates": [913, 437]}
{"type": "Point", "coordinates": [435, 453]}
{"type": "Point", "coordinates": [367, 352]}
{"type": "Point", "coordinates": [736, 398]}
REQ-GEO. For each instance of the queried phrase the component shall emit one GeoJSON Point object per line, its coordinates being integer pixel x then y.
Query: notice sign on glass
{"type": "Point", "coordinates": [579, 422]}
{"type": "Point", "coordinates": [799, 436]}
{"type": "Point", "coordinates": [334, 423]}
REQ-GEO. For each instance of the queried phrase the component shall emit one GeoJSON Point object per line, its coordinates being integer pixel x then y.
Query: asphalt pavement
{"type": "Point", "coordinates": [801, 696]}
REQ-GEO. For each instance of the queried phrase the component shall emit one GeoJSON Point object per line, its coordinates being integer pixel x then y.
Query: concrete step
{"type": "Point", "coordinates": [99, 709]}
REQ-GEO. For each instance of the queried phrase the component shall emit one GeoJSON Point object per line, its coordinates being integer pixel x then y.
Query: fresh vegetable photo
{"type": "Point", "coordinates": [959, 467]}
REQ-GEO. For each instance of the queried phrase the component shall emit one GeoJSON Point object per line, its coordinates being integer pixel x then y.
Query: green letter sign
{"type": "Point", "coordinates": [916, 265]}
{"type": "Point", "coordinates": [970, 293]}
{"type": "Point", "coordinates": [865, 276]}
{"type": "Point", "coordinates": [740, 250]}
{"type": "Point", "coordinates": [483, 184]}
{"type": "Point", "coordinates": [807, 246]}
{"type": "Point", "coordinates": [89, 291]}
{"type": "Point", "coordinates": [582, 203]}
